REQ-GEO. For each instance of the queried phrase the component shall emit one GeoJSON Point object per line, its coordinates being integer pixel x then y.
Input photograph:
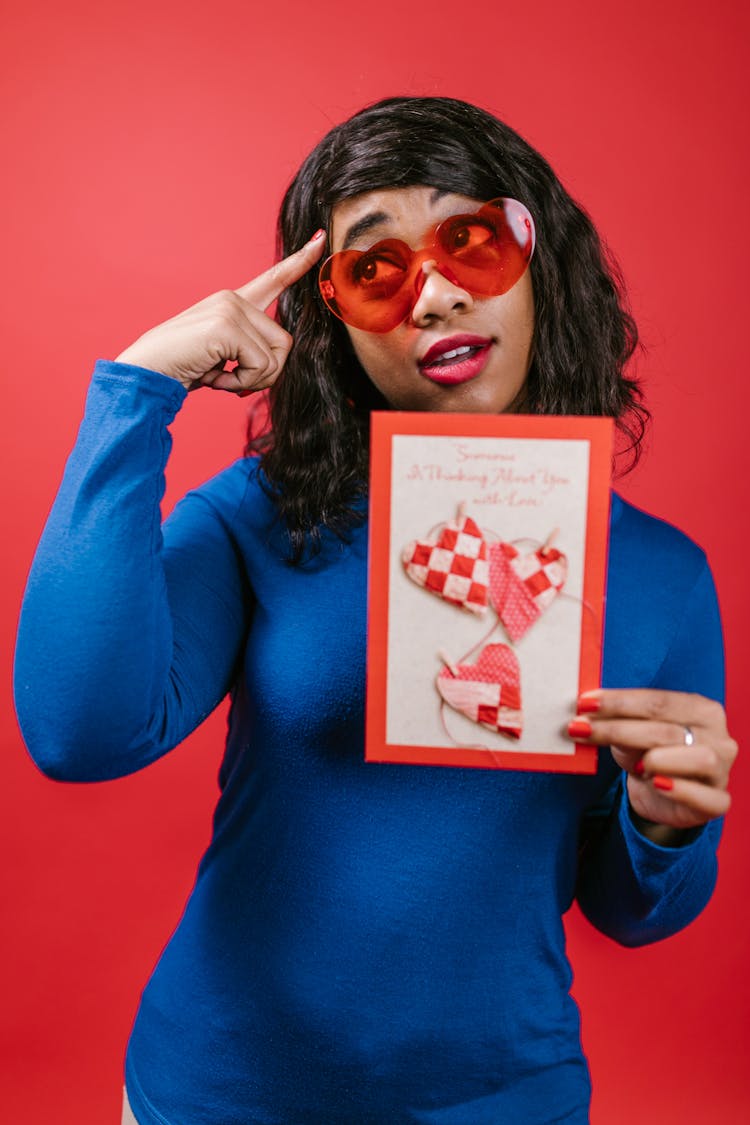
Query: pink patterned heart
{"type": "Point", "coordinates": [454, 565]}
{"type": "Point", "coordinates": [488, 692]}
{"type": "Point", "coordinates": [522, 587]}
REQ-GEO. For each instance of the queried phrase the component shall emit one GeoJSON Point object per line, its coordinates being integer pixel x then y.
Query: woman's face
{"type": "Point", "coordinates": [413, 366]}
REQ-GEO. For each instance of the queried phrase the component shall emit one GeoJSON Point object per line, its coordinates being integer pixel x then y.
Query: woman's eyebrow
{"type": "Point", "coordinates": [367, 222]}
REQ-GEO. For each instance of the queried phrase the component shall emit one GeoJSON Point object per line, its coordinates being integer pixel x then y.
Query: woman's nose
{"type": "Point", "coordinates": [439, 295]}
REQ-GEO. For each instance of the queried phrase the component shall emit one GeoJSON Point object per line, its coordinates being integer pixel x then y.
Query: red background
{"type": "Point", "coordinates": [146, 148]}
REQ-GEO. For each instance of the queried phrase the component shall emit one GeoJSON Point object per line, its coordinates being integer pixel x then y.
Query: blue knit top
{"type": "Point", "coordinates": [365, 944]}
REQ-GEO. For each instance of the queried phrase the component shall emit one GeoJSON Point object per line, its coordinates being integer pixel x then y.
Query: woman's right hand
{"type": "Point", "coordinates": [229, 327]}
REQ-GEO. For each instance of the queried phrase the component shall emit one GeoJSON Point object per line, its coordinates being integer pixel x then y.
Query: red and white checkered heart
{"type": "Point", "coordinates": [523, 586]}
{"type": "Point", "coordinates": [488, 692]}
{"type": "Point", "coordinates": [454, 565]}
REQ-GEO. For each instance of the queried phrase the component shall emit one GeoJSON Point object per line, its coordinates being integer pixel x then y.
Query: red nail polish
{"type": "Point", "coordinates": [588, 704]}
{"type": "Point", "coordinates": [579, 728]}
{"type": "Point", "coordinates": [639, 767]}
{"type": "Point", "coordinates": [318, 235]}
{"type": "Point", "coordinates": [660, 782]}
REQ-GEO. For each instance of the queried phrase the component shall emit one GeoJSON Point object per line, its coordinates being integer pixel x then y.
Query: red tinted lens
{"type": "Point", "coordinates": [369, 289]}
{"type": "Point", "coordinates": [489, 251]}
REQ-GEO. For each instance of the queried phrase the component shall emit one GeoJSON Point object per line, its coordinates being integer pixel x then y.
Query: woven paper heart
{"type": "Point", "coordinates": [454, 566]}
{"type": "Point", "coordinates": [522, 587]}
{"type": "Point", "coordinates": [488, 692]}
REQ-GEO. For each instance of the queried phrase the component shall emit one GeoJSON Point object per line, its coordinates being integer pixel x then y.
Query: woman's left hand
{"type": "Point", "coordinates": [675, 748]}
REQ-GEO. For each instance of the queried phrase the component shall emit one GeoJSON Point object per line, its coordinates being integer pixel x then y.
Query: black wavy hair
{"type": "Point", "coordinates": [315, 456]}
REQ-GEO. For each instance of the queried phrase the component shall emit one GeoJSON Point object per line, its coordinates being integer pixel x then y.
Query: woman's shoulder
{"type": "Point", "coordinates": [234, 490]}
{"type": "Point", "coordinates": [637, 533]}
{"type": "Point", "coordinates": [662, 621]}
{"type": "Point", "coordinates": [232, 480]}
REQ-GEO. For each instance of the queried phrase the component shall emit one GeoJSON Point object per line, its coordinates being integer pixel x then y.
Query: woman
{"type": "Point", "coordinates": [366, 943]}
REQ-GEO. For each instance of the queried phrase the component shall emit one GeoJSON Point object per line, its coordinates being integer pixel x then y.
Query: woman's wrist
{"type": "Point", "coordinates": [662, 834]}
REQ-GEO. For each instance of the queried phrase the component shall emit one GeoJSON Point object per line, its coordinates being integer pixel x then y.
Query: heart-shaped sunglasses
{"type": "Point", "coordinates": [484, 253]}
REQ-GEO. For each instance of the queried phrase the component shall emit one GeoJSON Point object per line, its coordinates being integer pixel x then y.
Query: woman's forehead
{"type": "Point", "coordinates": [407, 212]}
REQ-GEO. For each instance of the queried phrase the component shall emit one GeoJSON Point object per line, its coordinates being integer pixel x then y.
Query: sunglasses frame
{"type": "Point", "coordinates": [386, 312]}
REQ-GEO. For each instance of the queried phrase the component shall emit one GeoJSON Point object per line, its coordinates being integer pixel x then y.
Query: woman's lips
{"type": "Point", "coordinates": [456, 359]}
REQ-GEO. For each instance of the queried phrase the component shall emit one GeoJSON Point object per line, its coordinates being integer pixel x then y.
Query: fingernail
{"type": "Point", "coordinates": [588, 704]}
{"type": "Point", "coordinates": [318, 235]}
{"type": "Point", "coordinates": [579, 728]}
{"type": "Point", "coordinates": [639, 767]}
{"type": "Point", "coordinates": [660, 782]}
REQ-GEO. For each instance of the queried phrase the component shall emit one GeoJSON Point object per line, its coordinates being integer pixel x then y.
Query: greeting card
{"type": "Point", "coordinates": [488, 547]}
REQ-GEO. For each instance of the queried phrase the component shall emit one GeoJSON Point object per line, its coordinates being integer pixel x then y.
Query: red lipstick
{"type": "Point", "coordinates": [456, 359]}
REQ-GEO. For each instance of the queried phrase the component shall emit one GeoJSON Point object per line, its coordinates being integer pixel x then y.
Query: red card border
{"type": "Point", "coordinates": [385, 425]}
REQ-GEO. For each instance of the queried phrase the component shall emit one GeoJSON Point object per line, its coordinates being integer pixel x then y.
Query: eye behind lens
{"type": "Point", "coordinates": [490, 250]}
{"type": "Point", "coordinates": [380, 271]}
{"type": "Point", "coordinates": [367, 289]}
{"type": "Point", "coordinates": [465, 235]}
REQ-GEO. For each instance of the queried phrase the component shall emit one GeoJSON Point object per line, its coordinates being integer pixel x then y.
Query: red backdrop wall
{"type": "Point", "coordinates": [147, 146]}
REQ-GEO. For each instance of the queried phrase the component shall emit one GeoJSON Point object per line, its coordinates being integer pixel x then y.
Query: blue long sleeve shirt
{"type": "Point", "coordinates": [365, 944]}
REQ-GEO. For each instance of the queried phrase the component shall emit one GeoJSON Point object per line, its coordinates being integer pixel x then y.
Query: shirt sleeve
{"type": "Point", "coordinates": [630, 888]}
{"type": "Point", "coordinates": [129, 634]}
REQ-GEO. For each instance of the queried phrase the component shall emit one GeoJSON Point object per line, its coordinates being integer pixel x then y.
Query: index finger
{"type": "Point", "coordinates": [681, 708]}
{"type": "Point", "coordinates": [265, 288]}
